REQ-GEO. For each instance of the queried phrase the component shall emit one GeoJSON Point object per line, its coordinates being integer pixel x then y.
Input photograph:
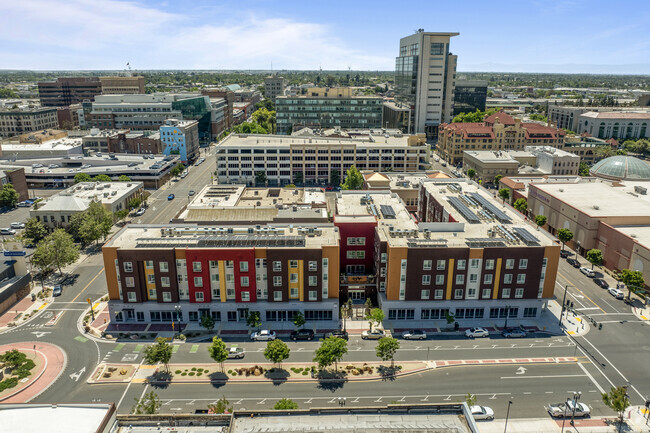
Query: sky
{"type": "Point", "coordinates": [571, 36]}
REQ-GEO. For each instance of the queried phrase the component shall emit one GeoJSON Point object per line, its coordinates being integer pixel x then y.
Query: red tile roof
{"type": "Point", "coordinates": [469, 130]}
{"type": "Point", "coordinates": [503, 118]}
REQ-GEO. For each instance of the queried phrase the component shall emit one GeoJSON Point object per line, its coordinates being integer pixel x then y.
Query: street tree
{"type": "Point", "coordinates": [207, 322]}
{"type": "Point", "coordinates": [277, 351]}
{"type": "Point", "coordinates": [102, 178]}
{"type": "Point", "coordinates": [254, 319]}
{"type": "Point", "coordinates": [63, 250]}
{"type": "Point", "coordinates": [617, 400]}
{"type": "Point", "coordinates": [521, 205]}
{"type": "Point", "coordinates": [43, 260]}
{"type": "Point", "coordinates": [298, 319]}
{"type": "Point", "coordinates": [82, 177]}
{"type": "Point", "coordinates": [386, 349]}
{"type": "Point", "coordinates": [34, 231]}
{"type": "Point", "coordinates": [147, 405]}
{"type": "Point", "coordinates": [260, 178]}
{"type": "Point", "coordinates": [633, 280]}
{"type": "Point", "coordinates": [497, 178]}
{"type": "Point", "coordinates": [471, 173]}
{"type": "Point", "coordinates": [504, 194]}
{"type": "Point", "coordinates": [121, 214]}
{"type": "Point", "coordinates": [285, 404]}
{"type": "Point", "coordinates": [8, 196]}
{"type": "Point", "coordinates": [595, 257]}
{"type": "Point", "coordinates": [375, 316]}
{"type": "Point", "coordinates": [160, 352]}
{"type": "Point", "coordinates": [222, 406]}
{"type": "Point", "coordinates": [470, 399]}
{"type": "Point", "coordinates": [330, 351]}
{"type": "Point", "coordinates": [218, 350]}
{"type": "Point", "coordinates": [353, 179]}
{"type": "Point", "coordinates": [540, 220]}
{"type": "Point", "coordinates": [335, 177]}
{"type": "Point", "coordinates": [124, 178]}
{"type": "Point", "coordinates": [564, 235]}
{"type": "Point", "coordinates": [177, 170]}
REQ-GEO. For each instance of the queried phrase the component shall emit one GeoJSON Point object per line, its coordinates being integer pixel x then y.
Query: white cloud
{"type": "Point", "coordinates": [105, 34]}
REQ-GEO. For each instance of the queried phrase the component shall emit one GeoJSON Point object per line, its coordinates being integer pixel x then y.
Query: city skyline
{"type": "Point", "coordinates": [106, 34]}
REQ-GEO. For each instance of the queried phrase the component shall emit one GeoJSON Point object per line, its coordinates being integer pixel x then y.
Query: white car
{"type": "Point", "coordinates": [560, 410]}
{"type": "Point", "coordinates": [263, 335]}
{"type": "Point", "coordinates": [617, 293]}
{"type": "Point", "coordinates": [140, 212]}
{"type": "Point", "coordinates": [588, 272]}
{"type": "Point", "coordinates": [183, 174]}
{"type": "Point", "coordinates": [477, 333]}
{"type": "Point", "coordinates": [482, 412]}
{"type": "Point", "coordinates": [17, 226]}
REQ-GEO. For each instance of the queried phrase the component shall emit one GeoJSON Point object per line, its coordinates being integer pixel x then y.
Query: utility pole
{"type": "Point", "coordinates": [566, 288]}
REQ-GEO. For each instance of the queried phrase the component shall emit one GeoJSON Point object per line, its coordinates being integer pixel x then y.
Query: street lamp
{"type": "Point", "coordinates": [576, 398]}
{"type": "Point", "coordinates": [564, 417]}
{"type": "Point", "coordinates": [507, 415]}
{"type": "Point", "coordinates": [566, 289]}
{"type": "Point", "coordinates": [178, 310]}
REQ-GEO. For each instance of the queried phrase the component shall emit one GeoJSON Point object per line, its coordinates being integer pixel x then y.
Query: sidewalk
{"type": "Point", "coordinates": [23, 310]}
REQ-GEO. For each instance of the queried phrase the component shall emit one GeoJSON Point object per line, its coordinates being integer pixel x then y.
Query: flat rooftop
{"type": "Point", "coordinates": [222, 236]}
{"type": "Point", "coordinates": [493, 156]}
{"type": "Point", "coordinates": [265, 141]}
{"type": "Point", "coordinates": [641, 234]}
{"type": "Point", "coordinates": [601, 199]}
{"type": "Point", "coordinates": [61, 418]}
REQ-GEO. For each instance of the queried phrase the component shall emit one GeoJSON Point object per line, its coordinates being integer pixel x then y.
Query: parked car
{"type": "Point", "coordinates": [482, 412]}
{"type": "Point", "coordinates": [57, 290]}
{"type": "Point", "coordinates": [414, 334]}
{"type": "Point", "coordinates": [140, 212]}
{"type": "Point", "coordinates": [375, 334]}
{"type": "Point", "coordinates": [183, 174]}
{"type": "Point", "coordinates": [235, 352]}
{"type": "Point", "coordinates": [601, 283]}
{"type": "Point", "coordinates": [191, 193]}
{"type": "Point", "coordinates": [302, 334]}
{"type": "Point", "coordinates": [337, 334]}
{"type": "Point", "coordinates": [588, 272]}
{"type": "Point", "coordinates": [565, 253]}
{"type": "Point", "coordinates": [617, 293]}
{"type": "Point", "coordinates": [7, 232]}
{"type": "Point", "coordinates": [561, 410]}
{"type": "Point", "coordinates": [513, 333]}
{"type": "Point", "coordinates": [443, 163]}
{"type": "Point", "coordinates": [476, 332]}
{"type": "Point", "coordinates": [574, 263]}
{"type": "Point", "coordinates": [263, 335]}
{"type": "Point", "coordinates": [17, 226]}
{"type": "Point", "coordinates": [170, 197]}
{"type": "Point", "coordinates": [24, 204]}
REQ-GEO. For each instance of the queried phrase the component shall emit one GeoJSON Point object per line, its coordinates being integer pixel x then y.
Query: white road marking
{"type": "Point", "coordinates": [521, 370]}
{"type": "Point", "coordinates": [76, 376]}
{"type": "Point", "coordinates": [542, 377]}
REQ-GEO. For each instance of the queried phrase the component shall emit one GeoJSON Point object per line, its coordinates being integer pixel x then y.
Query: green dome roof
{"type": "Point", "coordinates": [621, 167]}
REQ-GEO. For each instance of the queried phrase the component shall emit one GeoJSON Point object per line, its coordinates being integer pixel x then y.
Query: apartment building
{"type": "Point", "coordinates": [26, 121]}
{"type": "Point", "coordinates": [328, 108]}
{"type": "Point", "coordinates": [274, 86]}
{"type": "Point", "coordinates": [122, 85]}
{"type": "Point", "coordinates": [228, 99]}
{"type": "Point", "coordinates": [314, 160]}
{"type": "Point", "coordinates": [180, 137]}
{"type": "Point", "coordinates": [499, 131]}
{"type": "Point", "coordinates": [180, 273]}
{"type": "Point", "coordinates": [425, 71]}
{"type": "Point", "coordinates": [122, 141]}
{"type": "Point", "coordinates": [68, 90]}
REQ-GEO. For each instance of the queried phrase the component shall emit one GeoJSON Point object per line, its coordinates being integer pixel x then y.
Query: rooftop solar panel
{"type": "Point", "coordinates": [498, 214]}
{"type": "Point", "coordinates": [387, 211]}
{"type": "Point", "coordinates": [464, 210]}
{"type": "Point", "coordinates": [525, 236]}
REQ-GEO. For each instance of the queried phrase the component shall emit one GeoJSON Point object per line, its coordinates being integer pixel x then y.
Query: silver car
{"type": "Point", "coordinates": [414, 334]}
{"type": "Point", "coordinates": [375, 334]}
{"type": "Point", "coordinates": [477, 332]}
{"type": "Point", "coordinates": [482, 412]}
{"type": "Point", "coordinates": [263, 335]}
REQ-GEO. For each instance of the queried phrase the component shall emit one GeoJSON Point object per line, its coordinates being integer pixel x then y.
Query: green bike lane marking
{"type": "Point", "coordinates": [80, 338]}
{"type": "Point", "coordinates": [118, 347]}
{"type": "Point", "coordinates": [138, 348]}
{"type": "Point", "coordinates": [175, 348]}
{"type": "Point", "coordinates": [195, 348]}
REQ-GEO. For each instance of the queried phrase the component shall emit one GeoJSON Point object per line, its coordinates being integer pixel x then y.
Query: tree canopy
{"type": "Point", "coordinates": [374, 317]}
{"type": "Point", "coordinates": [540, 220]}
{"type": "Point", "coordinates": [56, 250]}
{"type": "Point", "coordinates": [595, 257]}
{"type": "Point", "coordinates": [521, 205]}
{"type": "Point", "coordinates": [386, 349]}
{"type": "Point", "coordinates": [82, 177]}
{"type": "Point", "coordinates": [160, 352]}
{"type": "Point", "coordinates": [285, 404]}
{"type": "Point", "coordinates": [330, 351]}
{"type": "Point", "coordinates": [564, 235]}
{"type": "Point", "coordinates": [353, 179]}
{"type": "Point", "coordinates": [504, 194]}
{"type": "Point", "coordinates": [218, 350]}
{"type": "Point", "coordinates": [102, 178]}
{"type": "Point", "coordinates": [8, 196]}
{"type": "Point", "coordinates": [34, 231]}
{"type": "Point", "coordinates": [277, 351]}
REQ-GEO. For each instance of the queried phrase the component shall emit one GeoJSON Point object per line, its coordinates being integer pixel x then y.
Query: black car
{"type": "Point", "coordinates": [601, 283]}
{"type": "Point", "coordinates": [574, 263]}
{"type": "Point", "coordinates": [302, 334]}
{"type": "Point", "coordinates": [337, 334]}
{"type": "Point", "coordinates": [565, 253]}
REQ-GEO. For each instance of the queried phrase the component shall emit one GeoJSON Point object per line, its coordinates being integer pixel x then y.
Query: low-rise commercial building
{"type": "Point", "coordinates": [619, 125]}
{"type": "Point", "coordinates": [122, 141]}
{"type": "Point", "coordinates": [60, 147]}
{"type": "Point", "coordinates": [568, 117]}
{"type": "Point", "coordinates": [315, 160]}
{"type": "Point", "coordinates": [15, 122]}
{"type": "Point", "coordinates": [180, 137]}
{"type": "Point", "coordinates": [56, 211]}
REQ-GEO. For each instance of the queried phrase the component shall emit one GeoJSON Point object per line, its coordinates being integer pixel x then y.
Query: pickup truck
{"type": "Point", "coordinates": [561, 410]}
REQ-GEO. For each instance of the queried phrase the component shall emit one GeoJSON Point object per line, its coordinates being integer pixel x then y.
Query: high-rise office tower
{"type": "Point", "coordinates": [424, 77]}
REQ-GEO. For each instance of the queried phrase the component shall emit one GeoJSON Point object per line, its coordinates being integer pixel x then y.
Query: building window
{"type": "Point", "coordinates": [440, 280]}
{"type": "Point", "coordinates": [130, 281]}
{"type": "Point", "coordinates": [489, 264]}
{"type": "Point", "coordinates": [243, 266]}
{"type": "Point", "coordinates": [426, 280]}
{"type": "Point", "coordinates": [487, 279]}
{"type": "Point", "coordinates": [313, 295]}
{"type": "Point", "coordinates": [313, 280]}
{"type": "Point", "coordinates": [151, 279]}
{"type": "Point", "coordinates": [165, 281]}
{"type": "Point", "coordinates": [293, 293]}
{"type": "Point", "coordinates": [438, 293]}
{"type": "Point", "coordinates": [440, 265]}
{"type": "Point", "coordinates": [313, 266]}
{"type": "Point", "coordinates": [521, 278]}
{"type": "Point", "coordinates": [383, 257]}
{"type": "Point", "coordinates": [244, 281]}
{"type": "Point", "coordinates": [214, 264]}
{"type": "Point", "coordinates": [487, 293]}
{"type": "Point", "coordinates": [425, 294]}
{"type": "Point", "coordinates": [293, 278]}
{"type": "Point", "coordinates": [437, 49]}
{"type": "Point", "coordinates": [152, 294]}
{"type": "Point", "coordinates": [461, 265]}
{"type": "Point", "coordinates": [216, 293]}
{"type": "Point", "coordinates": [505, 293]}
{"type": "Point", "coordinates": [230, 293]}
{"type": "Point", "coordinates": [401, 314]}
{"type": "Point", "coordinates": [523, 263]}
{"type": "Point", "coordinates": [245, 296]}
{"type": "Point", "coordinates": [356, 254]}
{"type": "Point", "coordinates": [473, 278]}
{"type": "Point", "coordinates": [128, 267]}
{"type": "Point", "coordinates": [277, 295]}
{"type": "Point", "coordinates": [356, 241]}
{"type": "Point", "coordinates": [519, 292]}
{"type": "Point", "coordinates": [277, 266]}
{"type": "Point", "coordinates": [510, 263]}
{"type": "Point", "coordinates": [293, 264]}
{"type": "Point", "coordinates": [460, 279]}
{"type": "Point", "coordinates": [474, 263]}
{"type": "Point", "coordinates": [530, 312]}
{"type": "Point", "coordinates": [131, 297]}
{"type": "Point", "coordinates": [164, 266]}
{"type": "Point", "coordinates": [382, 272]}
{"type": "Point", "coordinates": [198, 296]}
{"type": "Point", "coordinates": [196, 266]}
{"type": "Point", "coordinates": [458, 294]}
{"type": "Point", "coordinates": [167, 296]}
{"type": "Point", "coordinates": [426, 265]}
{"type": "Point", "coordinates": [148, 264]}
{"type": "Point", "coordinates": [277, 281]}
{"type": "Point", "coordinates": [198, 281]}
{"type": "Point", "coordinates": [507, 279]}
{"type": "Point", "coordinates": [230, 264]}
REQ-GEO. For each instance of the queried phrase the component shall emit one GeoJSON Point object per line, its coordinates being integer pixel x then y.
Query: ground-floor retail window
{"type": "Point", "coordinates": [318, 314]}
{"type": "Point", "coordinates": [530, 312]}
{"type": "Point", "coordinates": [502, 313]}
{"type": "Point", "coordinates": [232, 316]}
{"type": "Point", "coordinates": [216, 315]}
{"type": "Point", "coordinates": [434, 313]}
{"type": "Point", "coordinates": [279, 316]}
{"type": "Point", "coordinates": [140, 316]}
{"type": "Point", "coordinates": [469, 313]}
{"type": "Point", "coordinates": [194, 316]}
{"type": "Point", "coordinates": [401, 314]}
